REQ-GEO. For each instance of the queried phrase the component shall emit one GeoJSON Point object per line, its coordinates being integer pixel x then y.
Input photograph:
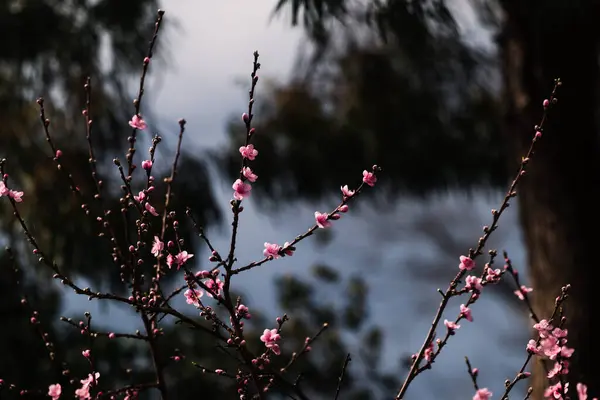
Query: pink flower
{"type": "Point", "coordinates": [428, 354]}
{"type": "Point", "coordinates": [466, 263]}
{"type": "Point", "coordinates": [473, 283]}
{"type": "Point", "coordinates": [179, 259]}
{"type": "Point", "coordinates": [555, 370]}
{"type": "Point", "coordinates": [520, 293]}
{"type": "Point", "coordinates": [140, 197]}
{"type": "Point", "coordinates": [249, 152]}
{"type": "Point", "coordinates": [3, 189]}
{"type": "Point", "coordinates": [86, 353]}
{"type": "Point", "coordinates": [582, 391]}
{"type": "Point", "coordinates": [55, 391]}
{"type": "Point", "coordinates": [16, 196]}
{"type": "Point", "coordinates": [248, 174]}
{"type": "Point", "coordinates": [493, 275]}
{"type": "Point", "coordinates": [147, 164]}
{"type": "Point", "coordinates": [532, 347]}
{"type": "Point", "coordinates": [157, 246]}
{"type": "Point", "coordinates": [192, 297]}
{"type": "Point", "coordinates": [369, 178]}
{"type": "Point", "coordinates": [482, 394]}
{"type": "Point", "coordinates": [150, 209]}
{"type": "Point", "coordinates": [544, 328]}
{"type": "Point", "coordinates": [466, 313]}
{"type": "Point", "coordinates": [241, 189]}
{"type": "Point", "coordinates": [347, 192]}
{"type": "Point", "coordinates": [270, 339]}
{"type": "Point", "coordinates": [215, 286]}
{"type": "Point", "coordinates": [271, 250]}
{"type": "Point", "coordinates": [137, 122]}
{"type": "Point", "coordinates": [84, 392]}
{"type": "Point", "coordinates": [452, 326]}
{"type": "Point", "coordinates": [322, 220]}
{"type": "Point", "coordinates": [550, 347]}
{"type": "Point", "coordinates": [343, 208]}
{"type": "Point", "coordinates": [555, 391]}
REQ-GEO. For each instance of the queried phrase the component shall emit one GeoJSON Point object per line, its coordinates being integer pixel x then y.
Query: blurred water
{"type": "Point", "coordinates": [210, 49]}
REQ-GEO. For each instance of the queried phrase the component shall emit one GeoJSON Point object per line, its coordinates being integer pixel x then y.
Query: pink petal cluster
{"type": "Point", "coordinates": [157, 246]}
{"type": "Point", "coordinates": [248, 152]}
{"type": "Point", "coordinates": [322, 219]}
{"type": "Point", "coordinates": [522, 291]}
{"type": "Point", "coordinates": [179, 259]}
{"type": "Point", "coordinates": [271, 250]}
{"type": "Point", "coordinates": [369, 178]}
{"type": "Point", "coordinates": [466, 263]}
{"type": "Point", "coordinates": [556, 391]}
{"type": "Point", "coordinates": [55, 391]}
{"type": "Point", "coordinates": [248, 174]}
{"type": "Point", "coordinates": [241, 189]}
{"type": "Point", "coordinates": [13, 194]}
{"type": "Point", "coordinates": [270, 339]}
{"type": "Point", "coordinates": [482, 394]}
{"type": "Point", "coordinates": [83, 393]}
{"type": "Point", "coordinates": [473, 283]}
{"type": "Point", "coordinates": [347, 193]}
{"type": "Point", "coordinates": [192, 297]}
{"type": "Point", "coordinates": [466, 313]}
{"type": "Point", "coordinates": [215, 286]}
{"type": "Point", "coordinates": [137, 122]}
{"type": "Point", "coordinates": [452, 326]}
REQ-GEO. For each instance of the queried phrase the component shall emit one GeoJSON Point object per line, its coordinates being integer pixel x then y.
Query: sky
{"type": "Point", "coordinates": [209, 51]}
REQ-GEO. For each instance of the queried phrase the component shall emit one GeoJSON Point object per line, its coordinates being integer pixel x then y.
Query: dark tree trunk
{"type": "Point", "coordinates": [560, 196]}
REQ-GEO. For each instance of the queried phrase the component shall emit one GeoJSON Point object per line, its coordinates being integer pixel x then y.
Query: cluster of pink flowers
{"type": "Point", "coordinates": [13, 194]}
{"type": "Point", "coordinates": [242, 189]}
{"type": "Point", "coordinates": [177, 260]}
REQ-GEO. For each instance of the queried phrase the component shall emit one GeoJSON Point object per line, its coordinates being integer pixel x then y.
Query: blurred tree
{"type": "Point", "coordinates": [396, 82]}
{"type": "Point", "coordinates": [50, 48]}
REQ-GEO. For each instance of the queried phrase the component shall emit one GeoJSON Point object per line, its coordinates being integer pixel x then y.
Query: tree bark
{"type": "Point", "coordinates": [560, 194]}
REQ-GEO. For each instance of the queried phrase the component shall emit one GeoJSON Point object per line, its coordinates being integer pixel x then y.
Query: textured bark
{"type": "Point", "coordinates": [560, 196]}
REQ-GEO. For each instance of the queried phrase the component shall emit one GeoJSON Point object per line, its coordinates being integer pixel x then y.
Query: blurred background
{"type": "Point", "coordinates": [442, 94]}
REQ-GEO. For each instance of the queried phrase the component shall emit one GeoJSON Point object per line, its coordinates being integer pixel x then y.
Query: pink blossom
{"type": "Point", "coordinates": [270, 339]}
{"type": "Point", "coordinates": [157, 246]}
{"type": "Point", "coordinates": [493, 275]}
{"type": "Point", "coordinates": [241, 189]}
{"type": "Point", "coordinates": [147, 164]}
{"type": "Point", "coordinates": [215, 286]}
{"type": "Point", "coordinates": [550, 347]}
{"type": "Point", "coordinates": [150, 209]}
{"type": "Point", "coordinates": [3, 189]}
{"type": "Point", "coordinates": [55, 391]}
{"type": "Point", "coordinates": [137, 122]}
{"type": "Point", "coordinates": [555, 391]}
{"type": "Point", "coordinates": [249, 152]}
{"type": "Point", "coordinates": [369, 178]}
{"type": "Point", "coordinates": [520, 293]}
{"type": "Point", "coordinates": [555, 370]}
{"type": "Point", "coordinates": [466, 263]}
{"type": "Point", "coordinates": [473, 283]}
{"type": "Point", "coordinates": [428, 354]}
{"type": "Point", "coordinates": [86, 353]}
{"type": "Point", "coordinates": [248, 174]}
{"type": "Point", "coordinates": [452, 326]}
{"type": "Point", "coordinates": [271, 250]}
{"type": "Point", "coordinates": [343, 208]}
{"type": "Point", "coordinates": [582, 391]}
{"type": "Point", "coordinates": [322, 219]}
{"type": "Point", "coordinates": [16, 196]}
{"type": "Point", "coordinates": [192, 297]}
{"type": "Point", "coordinates": [532, 347]}
{"type": "Point", "coordinates": [566, 352]}
{"type": "Point", "coordinates": [466, 313]}
{"type": "Point", "coordinates": [140, 197]}
{"type": "Point", "coordinates": [347, 192]}
{"type": "Point", "coordinates": [84, 392]}
{"type": "Point", "coordinates": [482, 394]}
{"type": "Point", "coordinates": [544, 328]}
{"type": "Point", "coordinates": [179, 259]}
